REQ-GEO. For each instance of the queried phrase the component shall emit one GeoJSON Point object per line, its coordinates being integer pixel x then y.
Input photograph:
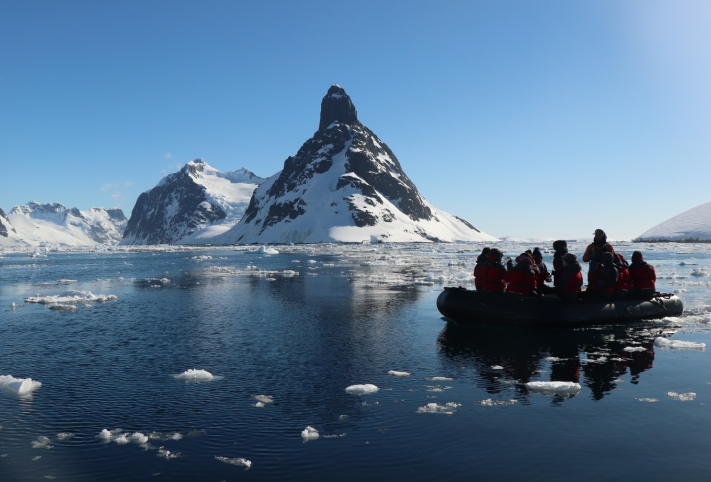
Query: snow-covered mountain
{"type": "Point", "coordinates": [689, 225]}
{"type": "Point", "coordinates": [191, 205]}
{"type": "Point", "coordinates": [344, 185]}
{"type": "Point", "coordinates": [34, 223]}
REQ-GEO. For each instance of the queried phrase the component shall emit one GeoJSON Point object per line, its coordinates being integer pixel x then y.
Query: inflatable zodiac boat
{"type": "Point", "coordinates": [472, 307]}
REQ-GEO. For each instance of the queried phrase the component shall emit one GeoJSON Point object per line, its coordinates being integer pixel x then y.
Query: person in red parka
{"type": "Point", "coordinates": [642, 276]}
{"type": "Point", "coordinates": [480, 261]}
{"type": "Point", "coordinates": [623, 281]}
{"type": "Point", "coordinates": [569, 278]}
{"type": "Point", "coordinates": [521, 278]}
{"type": "Point", "coordinates": [493, 273]}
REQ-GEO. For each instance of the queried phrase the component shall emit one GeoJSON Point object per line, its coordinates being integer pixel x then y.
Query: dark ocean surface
{"type": "Point", "coordinates": [303, 325]}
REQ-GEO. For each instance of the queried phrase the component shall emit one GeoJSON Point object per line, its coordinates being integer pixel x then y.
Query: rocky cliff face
{"type": "Point", "coordinates": [344, 184]}
{"type": "Point", "coordinates": [198, 201]}
{"type": "Point", "coordinates": [5, 226]}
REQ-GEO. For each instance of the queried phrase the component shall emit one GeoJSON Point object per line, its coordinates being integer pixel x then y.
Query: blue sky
{"type": "Point", "coordinates": [529, 119]}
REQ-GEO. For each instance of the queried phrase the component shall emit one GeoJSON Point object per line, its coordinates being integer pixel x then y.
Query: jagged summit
{"type": "Point", "coordinates": [346, 185]}
{"type": "Point", "coordinates": [336, 106]}
{"type": "Point", "coordinates": [196, 202]}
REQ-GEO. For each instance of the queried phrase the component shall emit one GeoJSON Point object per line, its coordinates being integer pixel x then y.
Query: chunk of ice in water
{"type": "Point", "coordinates": [447, 409]}
{"type": "Point", "coordinates": [649, 400]}
{"type": "Point", "coordinates": [195, 375]}
{"type": "Point", "coordinates": [396, 373]}
{"type": "Point", "coordinates": [678, 344]}
{"type": "Point", "coordinates": [489, 402]}
{"type": "Point", "coordinates": [167, 454]}
{"type": "Point", "coordinates": [309, 433]}
{"type": "Point", "coordinates": [262, 399]}
{"type": "Point", "coordinates": [683, 397]}
{"type": "Point", "coordinates": [634, 348]}
{"type": "Point", "coordinates": [63, 307]}
{"type": "Point", "coordinates": [362, 389]}
{"type": "Point", "coordinates": [139, 438]}
{"type": "Point", "coordinates": [553, 388]}
{"type": "Point", "coordinates": [122, 439]}
{"type": "Point", "coordinates": [104, 435]}
{"type": "Point", "coordinates": [19, 386]}
{"type": "Point", "coordinates": [240, 461]}
{"type": "Point", "coordinates": [41, 443]}
{"type": "Point", "coordinates": [266, 250]}
{"type": "Point", "coordinates": [438, 379]}
{"type": "Point", "coordinates": [65, 435]}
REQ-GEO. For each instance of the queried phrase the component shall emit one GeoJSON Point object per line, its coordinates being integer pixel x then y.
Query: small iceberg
{"type": "Point", "coordinates": [262, 400]}
{"type": "Point", "coordinates": [447, 409]}
{"type": "Point", "coordinates": [362, 389]}
{"type": "Point", "coordinates": [678, 344]}
{"type": "Point", "coordinates": [139, 438]}
{"type": "Point", "coordinates": [309, 433]}
{"type": "Point", "coordinates": [104, 435]}
{"type": "Point", "coordinates": [194, 375]}
{"type": "Point", "coordinates": [19, 386]}
{"type": "Point", "coordinates": [553, 388]}
{"type": "Point", "coordinates": [240, 461]}
{"type": "Point", "coordinates": [266, 250]}
{"type": "Point", "coordinates": [71, 296]}
{"type": "Point", "coordinates": [396, 373]}
{"type": "Point", "coordinates": [682, 397]}
{"type": "Point", "coordinates": [41, 443]}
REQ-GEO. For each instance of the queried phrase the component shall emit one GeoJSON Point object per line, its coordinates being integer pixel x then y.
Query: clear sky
{"type": "Point", "coordinates": [527, 118]}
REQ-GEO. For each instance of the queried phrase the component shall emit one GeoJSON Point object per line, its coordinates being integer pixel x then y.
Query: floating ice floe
{"type": "Point", "coordinates": [362, 389]}
{"type": "Point", "coordinates": [700, 272]}
{"type": "Point", "coordinates": [648, 400]}
{"type": "Point", "coordinates": [634, 348]}
{"type": "Point", "coordinates": [240, 461]}
{"type": "Point", "coordinates": [309, 433]}
{"type": "Point", "coordinates": [447, 408]}
{"type": "Point", "coordinates": [139, 438]}
{"type": "Point", "coordinates": [63, 307]}
{"type": "Point", "coordinates": [41, 443]}
{"type": "Point", "coordinates": [497, 367]}
{"type": "Point", "coordinates": [678, 344]}
{"type": "Point", "coordinates": [266, 250]}
{"type": "Point", "coordinates": [438, 379]}
{"type": "Point", "coordinates": [195, 375]}
{"type": "Point", "coordinates": [396, 373]}
{"type": "Point", "coordinates": [122, 439]}
{"type": "Point", "coordinates": [104, 435]}
{"type": "Point", "coordinates": [262, 400]}
{"type": "Point", "coordinates": [64, 436]}
{"type": "Point", "coordinates": [167, 454]}
{"type": "Point", "coordinates": [66, 281]}
{"type": "Point", "coordinates": [553, 388]}
{"type": "Point", "coordinates": [489, 402]}
{"type": "Point", "coordinates": [19, 386]}
{"type": "Point", "coordinates": [71, 296]}
{"type": "Point", "coordinates": [683, 397]}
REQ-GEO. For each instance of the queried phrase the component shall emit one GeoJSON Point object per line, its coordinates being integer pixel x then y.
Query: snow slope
{"type": "Point", "coordinates": [35, 224]}
{"type": "Point", "coordinates": [196, 203]}
{"type": "Point", "coordinates": [692, 224]}
{"type": "Point", "coordinates": [344, 185]}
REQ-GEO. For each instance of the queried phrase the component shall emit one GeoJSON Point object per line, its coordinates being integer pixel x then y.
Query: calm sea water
{"type": "Point", "coordinates": [303, 325]}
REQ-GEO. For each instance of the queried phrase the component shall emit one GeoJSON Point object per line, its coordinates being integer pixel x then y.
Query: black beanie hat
{"type": "Point", "coordinates": [537, 253]}
{"type": "Point", "coordinates": [560, 245]}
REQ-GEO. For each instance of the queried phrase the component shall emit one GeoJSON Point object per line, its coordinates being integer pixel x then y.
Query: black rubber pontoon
{"type": "Point", "coordinates": [472, 307]}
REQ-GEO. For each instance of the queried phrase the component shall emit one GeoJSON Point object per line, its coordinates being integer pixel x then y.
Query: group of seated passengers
{"type": "Point", "coordinates": [609, 276]}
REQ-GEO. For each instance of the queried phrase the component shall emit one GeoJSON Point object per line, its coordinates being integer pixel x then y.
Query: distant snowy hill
{"type": "Point", "coordinates": [191, 205]}
{"type": "Point", "coordinates": [692, 224]}
{"type": "Point", "coordinates": [344, 185]}
{"type": "Point", "coordinates": [35, 223]}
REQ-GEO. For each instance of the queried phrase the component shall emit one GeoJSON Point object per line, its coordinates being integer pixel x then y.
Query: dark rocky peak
{"type": "Point", "coordinates": [193, 167]}
{"type": "Point", "coordinates": [337, 106]}
{"type": "Point", "coordinates": [116, 214]}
